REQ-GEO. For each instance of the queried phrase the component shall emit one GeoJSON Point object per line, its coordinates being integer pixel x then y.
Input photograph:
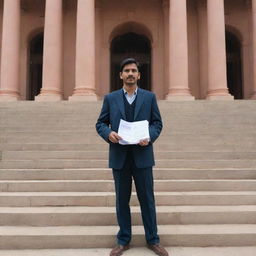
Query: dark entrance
{"type": "Point", "coordinates": [234, 66]}
{"type": "Point", "coordinates": [35, 66]}
{"type": "Point", "coordinates": [134, 46]}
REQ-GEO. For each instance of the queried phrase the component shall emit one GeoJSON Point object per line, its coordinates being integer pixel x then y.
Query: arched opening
{"type": "Point", "coordinates": [35, 65]}
{"type": "Point", "coordinates": [234, 65]}
{"type": "Point", "coordinates": [135, 46]}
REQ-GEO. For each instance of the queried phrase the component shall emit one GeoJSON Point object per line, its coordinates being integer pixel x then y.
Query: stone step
{"type": "Point", "coordinates": [105, 173]}
{"type": "Point", "coordinates": [179, 126]}
{"type": "Point", "coordinates": [186, 142]}
{"type": "Point", "coordinates": [89, 127]}
{"type": "Point", "coordinates": [13, 237]}
{"type": "Point", "coordinates": [56, 117]}
{"type": "Point", "coordinates": [47, 127]}
{"type": "Point", "coordinates": [167, 135]}
{"type": "Point", "coordinates": [175, 124]}
{"type": "Point", "coordinates": [99, 163]}
{"type": "Point", "coordinates": [108, 185]}
{"type": "Point", "coordinates": [138, 251]}
{"type": "Point", "coordinates": [105, 216]}
{"type": "Point", "coordinates": [104, 146]}
{"type": "Point", "coordinates": [167, 113]}
{"type": "Point", "coordinates": [92, 115]}
{"type": "Point", "coordinates": [100, 154]}
{"type": "Point", "coordinates": [52, 146]}
{"type": "Point", "coordinates": [187, 104]}
{"type": "Point", "coordinates": [169, 118]}
{"type": "Point", "coordinates": [25, 199]}
{"type": "Point", "coordinates": [174, 109]}
{"type": "Point", "coordinates": [191, 108]}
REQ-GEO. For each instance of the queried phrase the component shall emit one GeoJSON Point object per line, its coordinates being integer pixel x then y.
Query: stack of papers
{"type": "Point", "coordinates": [133, 132]}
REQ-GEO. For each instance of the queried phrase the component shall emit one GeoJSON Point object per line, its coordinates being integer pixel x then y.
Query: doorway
{"type": "Point", "coordinates": [131, 45]}
{"type": "Point", "coordinates": [234, 65]}
{"type": "Point", "coordinates": [35, 66]}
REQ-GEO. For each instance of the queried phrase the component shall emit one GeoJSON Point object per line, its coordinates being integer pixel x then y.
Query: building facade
{"type": "Point", "coordinates": [55, 50]}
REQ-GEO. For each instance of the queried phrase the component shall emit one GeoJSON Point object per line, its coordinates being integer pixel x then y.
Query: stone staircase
{"type": "Point", "coordinates": [56, 191]}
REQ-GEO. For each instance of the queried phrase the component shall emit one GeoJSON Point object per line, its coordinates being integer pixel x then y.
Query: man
{"type": "Point", "coordinates": [132, 161]}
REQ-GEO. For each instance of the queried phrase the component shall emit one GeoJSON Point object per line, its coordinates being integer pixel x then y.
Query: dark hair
{"type": "Point", "coordinates": [128, 61]}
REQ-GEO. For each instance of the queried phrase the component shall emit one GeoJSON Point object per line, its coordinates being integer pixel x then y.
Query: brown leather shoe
{"type": "Point", "coordinates": [118, 250]}
{"type": "Point", "coordinates": [158, 249]}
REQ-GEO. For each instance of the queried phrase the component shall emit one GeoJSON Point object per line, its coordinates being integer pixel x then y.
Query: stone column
{"type": "Point", "coordinates": [217, 74]}
{"type": "Point", "coordinates": [85, 52]}
{"type": "Point", "coordinates": [254, 47]}
{"type": "Point", "coordinates": [52, 56]}
{"type": "Point", "coordinates": [10, 51]}
{"type": "Point", "coordinates": [178, 52]}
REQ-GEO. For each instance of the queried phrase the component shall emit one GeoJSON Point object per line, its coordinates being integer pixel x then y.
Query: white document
{"type": "Point", "coordinates": [133, 132]}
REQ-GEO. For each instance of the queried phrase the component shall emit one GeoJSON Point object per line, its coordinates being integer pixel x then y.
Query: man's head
{"type": "Point", "coordinates": [129, 72]}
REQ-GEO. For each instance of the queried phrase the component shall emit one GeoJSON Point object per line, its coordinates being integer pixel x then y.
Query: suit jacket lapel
{"type": "Point", "coordinates": [139, 102]}
{"type": "Point", "coordinates": [120, 102]}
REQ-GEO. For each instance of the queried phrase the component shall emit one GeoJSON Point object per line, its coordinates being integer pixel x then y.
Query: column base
{"type": "Point", "coordinates": [49, 95]}
{"type": "Point", "coordinates": [253, 97]}
{"type": "Point", "coordinates": [48, 98]}
{"type": "Point", "coordinates": [179, 95]}
{"type": "Point", "coordinates": [83, 94]}
{"type": "Point", "coordinates": [219, 94]}
{"type": "Point", "coordinates": [6, 95]}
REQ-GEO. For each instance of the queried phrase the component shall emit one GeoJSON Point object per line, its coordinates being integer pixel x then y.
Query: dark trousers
{"type": "Point", "coordinates": [143, 179]}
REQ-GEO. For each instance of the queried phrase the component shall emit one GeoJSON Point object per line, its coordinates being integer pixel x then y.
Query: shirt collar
{"type": "Point", "coordinates": [135, 92]}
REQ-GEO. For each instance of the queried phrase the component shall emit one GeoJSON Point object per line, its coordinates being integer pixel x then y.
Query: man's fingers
{"type": "Point", "coordinates": [143, 142]}
{"type": "Point", "coordinates": [114, 137]}
{"type": "Point", "coordinates": [118, 137]}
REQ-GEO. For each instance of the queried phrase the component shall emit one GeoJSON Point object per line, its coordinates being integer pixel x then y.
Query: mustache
{"type": "Point", "coordinates": [130, 77]}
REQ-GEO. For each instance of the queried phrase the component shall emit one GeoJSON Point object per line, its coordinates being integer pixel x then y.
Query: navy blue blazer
{"type": "Point", "coordinates": [113, 111]}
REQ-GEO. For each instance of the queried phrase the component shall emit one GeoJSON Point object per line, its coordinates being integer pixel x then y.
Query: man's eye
{"type": "Point", "coordinates": [128, 70]}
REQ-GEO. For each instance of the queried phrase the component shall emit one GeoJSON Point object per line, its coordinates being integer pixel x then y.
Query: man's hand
{"type": "Point", "coordinates": [143, 142]}
{"type": "Point", "coordinates": [114, 137]}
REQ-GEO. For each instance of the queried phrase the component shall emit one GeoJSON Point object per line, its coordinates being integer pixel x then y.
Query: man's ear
{"type": "Point", "coordinates": [120, 75]}
{"type": "Point", "coordinates": [139, 76]}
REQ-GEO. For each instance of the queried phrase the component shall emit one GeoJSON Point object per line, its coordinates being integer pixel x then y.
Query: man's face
{"type": "Point", "coordinates": [130, 74]}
